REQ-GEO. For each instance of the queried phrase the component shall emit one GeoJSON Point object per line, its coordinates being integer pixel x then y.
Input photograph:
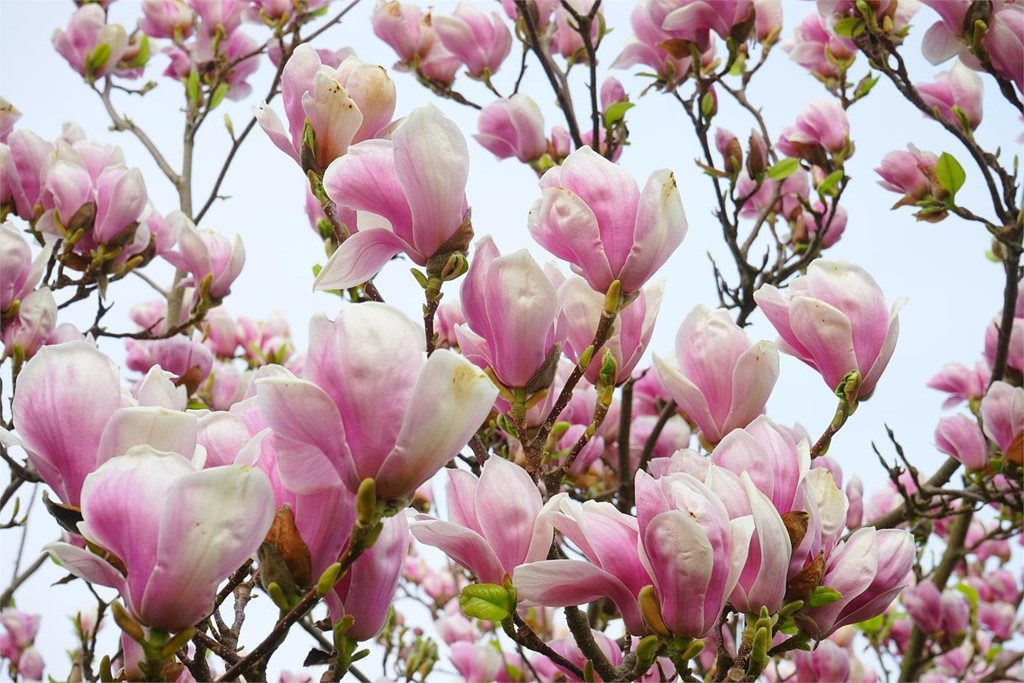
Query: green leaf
{"type": "Point", "coordinates": [830, 184]}
{"type": "Point", "coordinates": [950, 174]}
{"type": "Point", "coordinates": [847, 27]}
{"type": "Point", "coordinates": [823, 595]}
{"type": "Point", "coordinates": [192, 86]}
{"type": "Point", "coordinates": [97, 58]}
{"type": "Point", "coordinates": [864, 86]}
{"type": "Point", "coordinates": [783, 169]}
{"type": "Point", "coordinates": [142, 56]}
{"type": "Point", "coordinates": [487, 601]}
{"type": "Point", "coordinates": [218, 96]}
{"type": "Point", "coordinates": [616, 112]}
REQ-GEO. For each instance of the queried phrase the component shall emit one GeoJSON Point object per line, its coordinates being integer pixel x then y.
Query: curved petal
{"type": "Point", "coordinates": [365, 179]}
{"type": "Point", "coordinates": [333, 115]}
{"type": "Point", "coordinates": [826, 333]}
{"type": "Point", "coordinates": [299, 412]}
{"type": "Point", "coordinates": [449, 402]}
{"type": "Point", "coordinates": [682, 561]}
{"type": "Point", "coordinates": [752, 382]}
{"type": "Point", "coordinates": [359, 258]}
{"type": "Point", "coordinates": [432, 164]}
{"type": "Point", "coordinates": [507, 505]}
{"type": "Point", "coordinates": [85, 564]}
{"type": "Point", "coordinates": [870, 380]}
{"type": "Point", "coordinates": [565, 225]}
{"type": "Point", "coordinates": [212, 521]}
{"type": "Point", "coordinates": [560, 583]}
{"type": "Point", "coordinates": [66, 395]}
{"type": "Point", "coordinates": [463, 545]}
{"type": "Point", "coordinates": [660, 229]}
{"type": "Point", "coordinates": [271, 124]}
{"type": "Point", "coordinates": [689, 397]}
{"type": "Point", "coordinates": [164, 430]}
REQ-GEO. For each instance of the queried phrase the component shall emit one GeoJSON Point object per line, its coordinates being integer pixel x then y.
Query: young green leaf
{"type": "Point", "coordinates": [486, 601]}
{"type": "Point", "coordinates": [950, 174]}
{"type": "Point", "coordinates": [783, 169]}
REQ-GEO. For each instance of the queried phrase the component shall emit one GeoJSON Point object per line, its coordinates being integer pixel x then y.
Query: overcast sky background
{"type": "Point", "coordinates": [953, 290]}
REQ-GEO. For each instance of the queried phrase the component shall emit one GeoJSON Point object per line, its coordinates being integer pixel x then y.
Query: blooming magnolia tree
{"type": "Point", "coordinates": [607, 514]}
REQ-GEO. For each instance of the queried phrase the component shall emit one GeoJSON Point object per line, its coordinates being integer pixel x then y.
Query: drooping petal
{"type": "Point", "coordinates": [359, 259]}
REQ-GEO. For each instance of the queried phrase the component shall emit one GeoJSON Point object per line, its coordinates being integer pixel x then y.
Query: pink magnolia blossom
{"type": "Point", "coordinates": [911, 173]}
{"type": "Point", "coordinates": [719, 379]}
{"type": "Point", "coordinates": [405, 28]}
{"type": "Point", "coordinates": [177, 531]}
{"type": "Point", "coordinates": [208, 254]}
{"type": "Point", "coordinates": [17, 644]}
{"type": "Point", "coordinates": [90, 45]}
{"type": "Point", "coordinates": [1002, 413]}
{"type": "Point", "coordinates": [762, 580]}
{"type": "Point", "coordinates": [513, 127]}
{"type": "Point", "coordinates": [476, 662]}
{"type": "Point", "coordinates": [494, 525]}
{"type": "Point", "coordinates": [178, 355]}
{"type": "Point", "coordinates": [945, 38]}
{"type": "Point", "coordinates": [416, 182]}
{"type": "Point", "coordinates": [89, 188]}
{"type": "Point", "coordinates": [19, 271]}
{"type": "Point", "coordinates": [580, 313]}
{"type": "Point", "coordinates": [166, 19]}
{"type": "Point", "coordinates": [480, 42]}
{"type": "Point", "coordinates": [961, 382]}
{"type": "Point", "coordinates": [826, 662]}
{"type": "Point", "coordinates": [1015, 349]}
{"type": "Point", "coordinates": [1004, 43]}
{"type": "Point", "coordinates": [693, 551]}
{"type": "Point", "coordinates": [510, 307]}
{"type": "Point", "coordinates": [333, 419]}
{"type": "Point", "coordinates": [694, 20]}
{"type": "Point", "coordinates": [813, 44]}
{"type": "Point", "coordinates": [835, 320]}
{"type": "Point", "coordinates": [652, 45]}
{"type": "Point", "coordinates": [593, 215]}
{"type": "Point", "coordinates": [959, 436]}
{"type": "Point", "coordinates": [821, 127]}
{"type": "Point", "coordinates": [869, 570]}
{"type": "Point", "coordinates": [567, 40]}
{"type": "Point", "coordinates": [568, 648]}
{"type": "Point", "coordinates": [34, 326]}
{"type": "Point", "coordinates": [958, 88]}
{"type": "Point", "coordinates": [343, 105]}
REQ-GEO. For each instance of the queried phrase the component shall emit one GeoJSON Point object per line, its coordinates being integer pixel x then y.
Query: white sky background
{"type": "Point", "coordinates": [953, 290]}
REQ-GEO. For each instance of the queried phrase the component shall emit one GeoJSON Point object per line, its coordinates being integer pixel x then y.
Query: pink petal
{"type": "Point", "coordinates": [559, 583]}
{"type": "Point", "coordinates": [449, 403]}
{"type": "Point", "coordinates": [507, 505]}
{"type": "Point", "coordinates": [827, 335]}
{"type": "Point", "coordinates": [164, 430]}
{"type": "Point", "coordinates": [359, 259]}
{"type": "Point", "coordinates": [463, 545]}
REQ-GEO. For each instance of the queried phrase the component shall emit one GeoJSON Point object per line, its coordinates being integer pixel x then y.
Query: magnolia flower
{"type": "Point", "coordinates": [513, 127]}
{"type": "Point", "coordinates": [835, 320]}
{"type": "Point", "coordinates": [958, 88]}
{"type": "Point", "coordinates": [719, 379]}
{"type": "Point", "coordinates": [593, 215]}
{"type": "Point", "coordinates": [90, 45]}
{"type": "Point", "coordinates": [416, 182]}
{"type": "Point", "coordinates": [509, 306]}
{"type": "Point", "coordinates": [479, 42]}
{"type": "Point", "coordinates": [176, 532]}
{"type": "Point", "coordinates": [343, 106]}
{"type": "Point", "coordinates": [334, 419]}
{"type": "Point", "coordinates": [494, 524]}
{"type": "Point", "coordinates": [208, 254]}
